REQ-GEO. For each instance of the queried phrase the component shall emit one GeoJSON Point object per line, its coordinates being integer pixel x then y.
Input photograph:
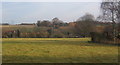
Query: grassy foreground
{"type": "Point", "coordinates": [57, 50]}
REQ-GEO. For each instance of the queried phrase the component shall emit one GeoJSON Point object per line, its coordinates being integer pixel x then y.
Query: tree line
{"type": "Point", "coordinates": [59, 29]}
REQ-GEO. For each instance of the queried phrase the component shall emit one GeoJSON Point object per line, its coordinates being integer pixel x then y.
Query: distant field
{"type": "Point", "coordinates": [57, 50]}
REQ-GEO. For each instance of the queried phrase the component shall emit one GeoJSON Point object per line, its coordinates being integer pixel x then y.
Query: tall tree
{"type": "Point", "coordinates": [85, 25]}
{"type": "Point", "coordinates": [87, 16]}
{"type": "Point", "coordinates": [118, 12]}
{"type": "Point", "coordinates": [111, 12]}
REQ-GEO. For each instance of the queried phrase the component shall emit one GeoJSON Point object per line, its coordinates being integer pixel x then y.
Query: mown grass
{"type": "Point", "coordinates": [57, 50]}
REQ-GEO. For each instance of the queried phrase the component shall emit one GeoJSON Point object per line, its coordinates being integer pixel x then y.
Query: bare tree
{"type": "Point", "coordinates": [111, 12]}
{"type": "Point", "coordinates": [118, 16]}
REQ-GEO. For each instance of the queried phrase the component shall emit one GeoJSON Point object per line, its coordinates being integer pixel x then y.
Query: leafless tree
{"type": "Point", "coordinates": [111, 13]}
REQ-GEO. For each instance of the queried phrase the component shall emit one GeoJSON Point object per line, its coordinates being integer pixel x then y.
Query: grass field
{"type": "Point", "coordinates": [57, 50]}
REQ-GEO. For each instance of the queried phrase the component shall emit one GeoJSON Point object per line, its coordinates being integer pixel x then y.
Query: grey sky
{"type": "Point", "coordinates": [20, 12]}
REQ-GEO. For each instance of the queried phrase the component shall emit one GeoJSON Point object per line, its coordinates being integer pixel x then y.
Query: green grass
{"type": "Point", "coordinates": [57, 50]}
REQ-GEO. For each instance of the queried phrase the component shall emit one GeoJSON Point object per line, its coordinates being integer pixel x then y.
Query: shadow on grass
{"type": "Point", "coordinates": [105, 44]}
{"type": "Point", "coordinates": [48, 59]}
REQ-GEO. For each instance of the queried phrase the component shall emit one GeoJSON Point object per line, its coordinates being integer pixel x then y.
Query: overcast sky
{"type": "Point", "coordinates": [21, 12]}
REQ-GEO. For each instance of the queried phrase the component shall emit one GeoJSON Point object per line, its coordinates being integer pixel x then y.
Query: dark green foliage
{"type": "Point", "coordinates": [103, 38]}
{"type": "Point", "coordinates": [97, 37]}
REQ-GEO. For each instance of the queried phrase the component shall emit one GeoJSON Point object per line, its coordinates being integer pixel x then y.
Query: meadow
{"type": "Point", "coordinates": [57, 50]}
